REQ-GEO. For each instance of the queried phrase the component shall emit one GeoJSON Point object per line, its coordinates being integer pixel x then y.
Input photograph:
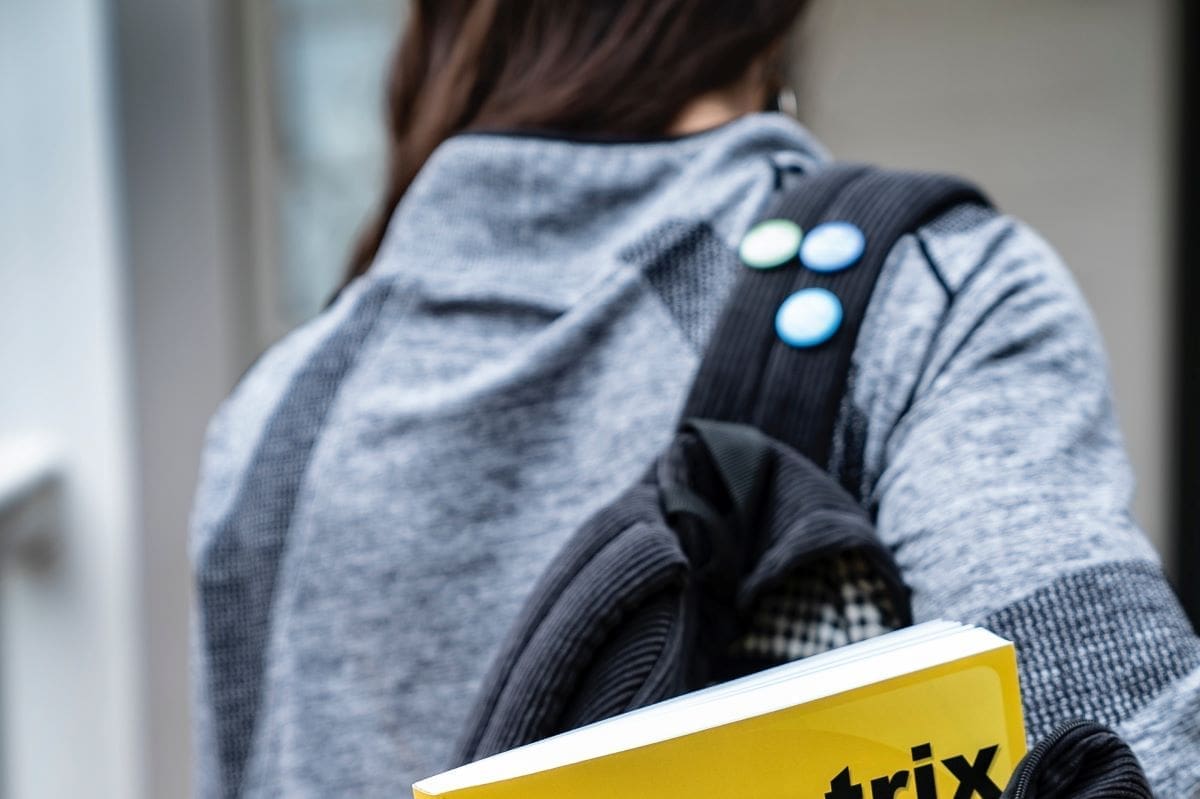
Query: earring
{"type": "Point", "coordinates": [786, 102]}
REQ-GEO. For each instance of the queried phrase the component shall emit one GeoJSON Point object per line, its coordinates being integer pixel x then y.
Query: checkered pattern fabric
{"type": "Point", "coordinates": [834, 602]}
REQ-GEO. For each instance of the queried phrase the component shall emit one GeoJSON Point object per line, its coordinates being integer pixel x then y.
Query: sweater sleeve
{"type": "Point", "coordinates": [1001, 483]}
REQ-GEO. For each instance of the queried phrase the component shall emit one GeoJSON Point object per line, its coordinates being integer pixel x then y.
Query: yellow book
{"type": "Point", "coordinates": [929, 712]}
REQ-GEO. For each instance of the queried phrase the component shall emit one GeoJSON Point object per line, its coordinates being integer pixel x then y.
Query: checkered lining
{"type": "Point", "coordinates": [831, 603]}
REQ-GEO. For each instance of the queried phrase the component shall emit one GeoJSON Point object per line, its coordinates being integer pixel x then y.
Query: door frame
{"type": "Point", "coordinates": [1187, 326]}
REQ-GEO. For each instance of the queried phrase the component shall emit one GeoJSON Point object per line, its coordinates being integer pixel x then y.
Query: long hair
{"type": "Point", "coordinates": [623, 68]}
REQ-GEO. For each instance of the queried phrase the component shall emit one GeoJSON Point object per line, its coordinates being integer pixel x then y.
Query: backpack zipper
{"type": "Point", "coordinates": [1034, 758]}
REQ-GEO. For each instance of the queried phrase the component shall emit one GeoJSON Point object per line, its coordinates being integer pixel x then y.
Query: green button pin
{"type": "Point", "coordinates": [771, 243]}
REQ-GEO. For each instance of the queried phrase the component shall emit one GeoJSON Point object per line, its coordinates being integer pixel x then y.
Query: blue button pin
{"type": "Point", "coordinates": [832, 247]}
{"type": "Point", "coordinates": [808, 317]}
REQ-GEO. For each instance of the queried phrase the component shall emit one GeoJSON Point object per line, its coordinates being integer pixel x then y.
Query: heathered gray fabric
{"type": "Point", "coordinates": [528, 360]}
{"type": "Point", "coordinates": [1099, 644]}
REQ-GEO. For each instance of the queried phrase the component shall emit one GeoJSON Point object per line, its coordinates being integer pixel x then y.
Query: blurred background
{"type": "Point", "coordinates": [179, 184]}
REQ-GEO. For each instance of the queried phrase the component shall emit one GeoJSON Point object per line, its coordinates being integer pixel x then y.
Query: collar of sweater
{"type": "Point", "coordinates": [542, 219]}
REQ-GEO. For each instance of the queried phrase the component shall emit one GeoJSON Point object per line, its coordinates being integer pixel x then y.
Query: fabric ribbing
{"type": "Point", "coordinates": [617, 562]}
{"type": "Point", "coordinates": [236, 575]}
{"type": "Point", "coordinates": [692, 271]}
{"type": "Point", "coordinates": [1100, 643]}
{"type": "Point", "coordinates": [620, 672]}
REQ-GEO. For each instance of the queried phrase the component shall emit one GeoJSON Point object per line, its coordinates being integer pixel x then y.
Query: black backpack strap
{"type": "Point", "coordinates": [625, 616]}
{"type": "Point", "coordinates": [748, 374]}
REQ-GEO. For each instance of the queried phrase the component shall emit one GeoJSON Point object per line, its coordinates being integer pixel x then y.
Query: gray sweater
{"type": "Point", "coordinates": [382, 490]}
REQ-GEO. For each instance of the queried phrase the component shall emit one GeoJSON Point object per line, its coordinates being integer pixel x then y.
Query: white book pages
{"type": "Point", "coordinates": [837, 671]}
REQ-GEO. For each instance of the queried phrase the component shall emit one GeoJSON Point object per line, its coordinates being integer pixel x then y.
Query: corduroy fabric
{"type": "Point", "coordinates": [618, 680]}
{"type": "Point", "coordinates": [1079, 760]}
{"type": "Point", "coordinates": [629, 615]}
{"type": "Point", "coordinates": [620, 560]}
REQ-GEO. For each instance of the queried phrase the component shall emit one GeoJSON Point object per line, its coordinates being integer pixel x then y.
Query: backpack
{"type": "Point", "coordinates": [711, 565]}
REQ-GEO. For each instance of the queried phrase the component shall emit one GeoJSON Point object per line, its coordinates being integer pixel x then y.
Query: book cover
{"type": "Point", "coordinates": [927, 720]}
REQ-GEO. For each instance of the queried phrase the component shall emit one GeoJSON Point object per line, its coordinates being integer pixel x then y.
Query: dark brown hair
{"type": "Point", "coordinates": [622, 68]}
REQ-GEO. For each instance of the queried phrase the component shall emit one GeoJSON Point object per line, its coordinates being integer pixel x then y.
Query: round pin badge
{"type": "Point", "coordinates": [809, 317]}
{"type": "Point", "coordinates": [771, 243]}
{"type": "Point", "coordinates": [832, 247]}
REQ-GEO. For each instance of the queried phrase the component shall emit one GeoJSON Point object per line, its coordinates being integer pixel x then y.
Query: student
{"type": "Point", "coordinates": [567, 186]}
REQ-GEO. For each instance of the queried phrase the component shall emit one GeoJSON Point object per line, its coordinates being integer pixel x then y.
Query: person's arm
{"type": "Point", "coordinates": [1002, 485]}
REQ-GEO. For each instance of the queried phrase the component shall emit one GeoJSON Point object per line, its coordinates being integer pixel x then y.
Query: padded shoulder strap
{"type": "Point", "coordinates": [748, 374]}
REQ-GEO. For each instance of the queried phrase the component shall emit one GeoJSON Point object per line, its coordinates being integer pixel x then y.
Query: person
{"type": "Point", "coordinates": [567, 185]}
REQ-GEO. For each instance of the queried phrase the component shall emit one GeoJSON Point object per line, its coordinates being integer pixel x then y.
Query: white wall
{"type": "Point", "coordinates": [70, 672]}
{"type": "Point", "coordinates": [176, 104]}
{"type": "Point", "coordinates": [1062, 110]}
